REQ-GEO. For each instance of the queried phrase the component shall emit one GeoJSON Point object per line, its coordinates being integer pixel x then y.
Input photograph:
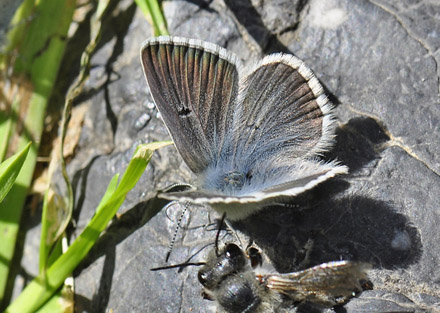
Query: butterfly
{"type": "Point", "coordinates": [250, 137]}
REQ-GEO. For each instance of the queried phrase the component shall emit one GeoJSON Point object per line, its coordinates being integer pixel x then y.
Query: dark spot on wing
{"type": "Point", "coordinates": [184, 111]}
{"type": "Point", "coordinates": [249, 175]}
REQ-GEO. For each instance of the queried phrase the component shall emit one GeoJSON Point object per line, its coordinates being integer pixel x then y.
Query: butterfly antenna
{"type": "Point", "coordinates": [177, 265]}
{"type": "Point", "coordinates": [184, 264]}
{"type": "Point", "coordinates": [179, 221]}
{"type": "Point", "coordinates": [220, 225]}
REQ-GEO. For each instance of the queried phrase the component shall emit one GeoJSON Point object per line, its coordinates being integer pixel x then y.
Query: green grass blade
{"type": "Point", "coordinates": [62, 301]}
{"type": "Point", "coordinates": [110, 191]}
{"type": "Point", "coordinates": [58, 303]}
{"type": "Point", "coordinates": [54, 223]}
{"type": "Point", "coordinates": [40, 46]}
{"type": "Point", "coordinates": [9, 170]}
{"type": "Point", "coordinates": [5, 132]}
{"type": "Point", "coordinates": [154, 15]}
{"type": "Point", "coordinates": [45, 284]}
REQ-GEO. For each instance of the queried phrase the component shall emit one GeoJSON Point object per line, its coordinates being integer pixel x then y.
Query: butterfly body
{"type": "Point", "coordinates": [250, 138]}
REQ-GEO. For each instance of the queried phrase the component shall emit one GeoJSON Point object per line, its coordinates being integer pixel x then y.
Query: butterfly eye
{"type": "Point", "coordinates": [232, 251]}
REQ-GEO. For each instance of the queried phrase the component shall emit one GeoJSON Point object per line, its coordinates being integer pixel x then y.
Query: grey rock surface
{"type": "Point", "coordinates": [378, 61]}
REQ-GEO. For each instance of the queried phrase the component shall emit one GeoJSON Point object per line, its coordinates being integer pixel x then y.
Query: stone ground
{"type": "Point", "coordinates": [378, 61]}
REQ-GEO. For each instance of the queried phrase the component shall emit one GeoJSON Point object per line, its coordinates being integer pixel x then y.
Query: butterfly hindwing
{"type": "Point", "coordinates": [306, 179]}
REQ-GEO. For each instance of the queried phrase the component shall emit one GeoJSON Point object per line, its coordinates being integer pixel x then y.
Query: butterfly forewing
{"type": "Point", "coordinates": [194, 85]}
{"type": "Point", "coordinates": [283, 113]}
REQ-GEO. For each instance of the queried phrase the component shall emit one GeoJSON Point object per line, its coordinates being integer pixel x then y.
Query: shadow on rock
{"type": "Point", "coordinates": [249, 17]}
{"type": "Point", "coordinates": [355, 144]}
{"type": "Point", "coordinates": [100, 299]}
{"type": "Point", "coordinates": [105, 246]}
{"type": "Point", "coordinates": [351, 228]}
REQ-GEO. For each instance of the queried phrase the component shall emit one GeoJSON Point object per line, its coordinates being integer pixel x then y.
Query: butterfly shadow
{"type": "Point", "coordinates": [349, 228]}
